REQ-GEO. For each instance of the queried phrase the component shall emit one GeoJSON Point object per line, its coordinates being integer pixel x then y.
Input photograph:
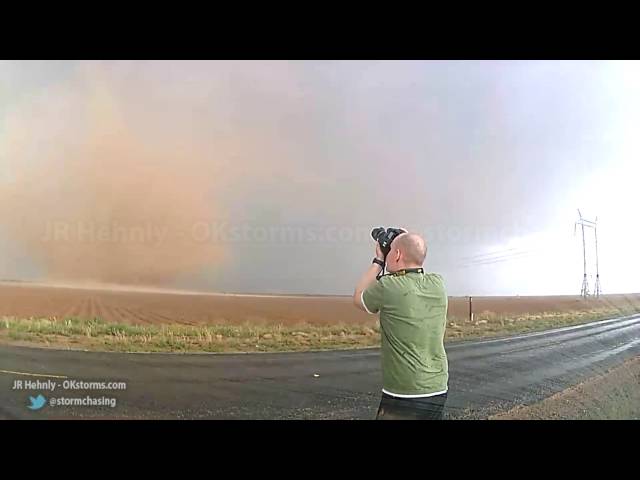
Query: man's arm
{"type": "Point", "coordinates": [367, 279]}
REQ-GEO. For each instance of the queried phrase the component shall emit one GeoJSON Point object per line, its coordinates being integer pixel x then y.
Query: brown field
{"type": "Point", "coordinates": [156, 307]}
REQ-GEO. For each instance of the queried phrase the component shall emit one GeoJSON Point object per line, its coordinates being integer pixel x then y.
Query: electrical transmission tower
{"type": "Point", "coordinates": [595, 231]}
{"type": "Point", "coordinates": [583, 222]}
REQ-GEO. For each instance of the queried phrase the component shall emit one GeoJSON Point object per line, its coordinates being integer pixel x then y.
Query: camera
{"type": "Point", "coordinates": [385, 237]}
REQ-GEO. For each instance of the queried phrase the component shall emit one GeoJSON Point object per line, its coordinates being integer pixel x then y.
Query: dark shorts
{"type": "Point", "coordinates": [427, 408]}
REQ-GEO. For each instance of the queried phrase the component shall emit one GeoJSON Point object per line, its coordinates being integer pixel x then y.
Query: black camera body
{"type": "Point", "coordinates": [385, 237]}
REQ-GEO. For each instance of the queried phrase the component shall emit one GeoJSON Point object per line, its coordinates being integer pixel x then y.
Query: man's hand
{"type": "Point", "coordinates": [379, 254]}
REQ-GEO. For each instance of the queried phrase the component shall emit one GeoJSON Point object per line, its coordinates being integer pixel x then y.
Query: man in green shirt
{"type": "Point", "coordinates": [413, 314]}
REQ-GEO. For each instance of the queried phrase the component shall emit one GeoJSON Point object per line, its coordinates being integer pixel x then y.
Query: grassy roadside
{"type": "Point", "coordinates": [489, 324]}
{"type": "Point", "coordinates": [612, 395]}
{"type": "Point", "coordinates": [95, 334]}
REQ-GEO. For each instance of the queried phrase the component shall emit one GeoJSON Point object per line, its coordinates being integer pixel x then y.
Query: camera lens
{"type": "Point", "coordinates": [376, 232]}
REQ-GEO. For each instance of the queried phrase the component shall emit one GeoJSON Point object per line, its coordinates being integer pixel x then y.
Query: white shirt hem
{"type": "Point", "coordinates": [424, 395]}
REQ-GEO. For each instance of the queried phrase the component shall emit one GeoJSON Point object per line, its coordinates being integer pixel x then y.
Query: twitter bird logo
{"type": "Point", "coordinates": [37, 403]}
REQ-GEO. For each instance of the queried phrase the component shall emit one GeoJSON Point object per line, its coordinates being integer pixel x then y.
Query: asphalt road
{"type": "Point", "coordinates": [485, 377]}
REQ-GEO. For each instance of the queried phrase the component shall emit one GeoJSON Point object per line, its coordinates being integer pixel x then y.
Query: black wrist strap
{"type": "Point", "coordinates": [379, 262]}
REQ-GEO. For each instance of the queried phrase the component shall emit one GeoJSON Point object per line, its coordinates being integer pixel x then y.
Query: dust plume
{"type": "Point", "coordinates": [90, 201]}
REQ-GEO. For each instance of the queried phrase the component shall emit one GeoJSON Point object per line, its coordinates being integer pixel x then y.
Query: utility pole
{"type": "Point", "coordinates": [583, 222]}
{"type": "Point", "coordinates": [584, 291]}
{"type": "Point", "coordinates": [595, 231]}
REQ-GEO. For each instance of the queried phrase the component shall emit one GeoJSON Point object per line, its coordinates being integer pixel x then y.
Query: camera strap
{"type": "Point", "coordinates": [404, 271]}
{"type": "Point", "coordinates": [381, 274]}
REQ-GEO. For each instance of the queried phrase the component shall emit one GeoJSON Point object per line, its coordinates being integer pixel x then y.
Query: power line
{"type": "Point", "coordinates": [502, 255]}
{"type": "Point", "coordinates": [502, 258]}
{"type": "Point", "coordinates": [481, 256]}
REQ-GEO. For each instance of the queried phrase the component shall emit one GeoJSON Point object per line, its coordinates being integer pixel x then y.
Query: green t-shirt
{"type": "Point", "coordinates": [413, 317]}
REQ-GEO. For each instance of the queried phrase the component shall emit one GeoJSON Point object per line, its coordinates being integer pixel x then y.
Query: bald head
{"type": "Point", "coordinates": [412, 247]}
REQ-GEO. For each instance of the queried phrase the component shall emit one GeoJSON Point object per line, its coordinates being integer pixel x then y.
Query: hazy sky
{"type": "Point", "coordinates": [268, 176]}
